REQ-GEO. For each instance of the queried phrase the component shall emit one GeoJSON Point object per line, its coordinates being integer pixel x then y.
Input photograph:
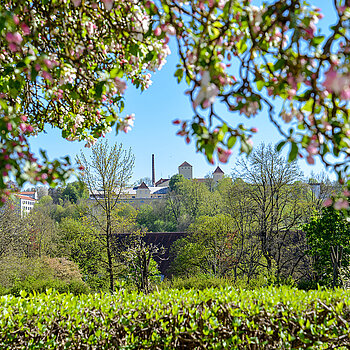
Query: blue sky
{"type": "Point", "coordinates": [154, 133]}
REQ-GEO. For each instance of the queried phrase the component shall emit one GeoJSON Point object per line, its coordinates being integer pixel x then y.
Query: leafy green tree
{"type": "Point", "coordinates": [210, 248]}
{"type": "Point", "coordinates": [106, 173]}
{"type": "Point", "coordinates": [78, 241]}
{"type": "Point", "coordinates": [175, 180]}
{"type": "Point", "coordinates": [155, 218]}
{"type": "Point", "coordinates": [13, 238]}
{"type": "Point", "coordinates": [272, 198]}
{"type": "Point", "coordinates": [138, 257]}
{"type": "Point", "coordinates": [193, 195]}
{"type": "Point", "coordinates": [326, 230]}
{"type": "Point", "coordinates": [42, 233]}
{"type": "Point", "coordinates": [75, 191]}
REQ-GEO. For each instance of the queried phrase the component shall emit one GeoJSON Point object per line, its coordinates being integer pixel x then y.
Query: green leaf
{"type": "Point", "coordinates": [293, 152]}
{"type": "Point", "coordinates": [280, 146]}
{"type": "Point", "coordinates": [231, 141]}
{"type": "Point", "coordinates": [308, 105]}
{"type": "Point", "coordinates": [260, 84]}
{"type": "Point", "coordinates": [114, 73]}
{"type": "Point", "coordinates": [179, 74]}
{"type": "Point", "coordinates": [279, 64]}
{"type": "Point", "coordinates": [242, 46]}
{"type": "Point", "coordinates": [99, 89]}
{"type": "Point", "coordinates": [317, 40]}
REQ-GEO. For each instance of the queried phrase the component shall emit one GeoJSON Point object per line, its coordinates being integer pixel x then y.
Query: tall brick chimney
{"type": "Point", "coordinates": [153, 172]}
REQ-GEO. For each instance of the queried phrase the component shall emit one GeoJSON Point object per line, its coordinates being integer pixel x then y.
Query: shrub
{"type": "Point", "coordinates": [201, 282]}
{"type": "Point", "coordinates": [30, 285]}
{"type": "Point", "coordinates": [270, 318]}
{"type": "Point", "coordinates": [38, 274]}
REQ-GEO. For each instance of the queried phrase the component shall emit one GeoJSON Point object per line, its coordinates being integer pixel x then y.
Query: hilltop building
{"type": "Point", "coordinates": [185, 169]}
{"type": "Point", "coordinates": [218, 174]}
{"type": "Point", "coordinates": [143, 194]}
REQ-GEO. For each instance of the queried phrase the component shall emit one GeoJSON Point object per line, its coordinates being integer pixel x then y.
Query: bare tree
{"type": "Point", "coordinates": [106, 173]}
{"type": "Point", "coordinates": [273, 192]}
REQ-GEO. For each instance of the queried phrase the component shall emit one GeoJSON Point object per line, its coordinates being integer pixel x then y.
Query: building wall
{"type": "Point", "coordinates": [26, 206]}
{"type": "Point", "coordinates": [143, 193]}
{"type": "Point", "coordinates": [138, 202]}
{"type": "Point", "coordinates": [186, 171]}
{"type": "Point", "coordinates": [217, 177]}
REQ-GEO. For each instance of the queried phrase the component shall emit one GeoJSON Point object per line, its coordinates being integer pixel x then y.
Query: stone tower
{"type": "Point", "coordinates": [218, 174]}
{"type": "Point", "coordinates": [185, 169]}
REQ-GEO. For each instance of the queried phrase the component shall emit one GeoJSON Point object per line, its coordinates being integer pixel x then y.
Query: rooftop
{"type": "Point", "coordinates": [218, 170]}
{"type": "Point", "coordinates": [185, 164]}
{"type": "Point", "coordinates": [143, 185]}
{"type": "Point", "coordinates": [27, 198]}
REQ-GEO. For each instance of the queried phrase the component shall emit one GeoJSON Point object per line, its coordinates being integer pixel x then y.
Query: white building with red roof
{"type": "Point", "coordinates": [26, 201]}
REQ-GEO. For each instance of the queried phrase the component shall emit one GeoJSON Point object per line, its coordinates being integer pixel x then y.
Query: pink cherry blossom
{"type": "Point", "coordinates": [127, 123]}
{"type": "Point", "coordinates": [158, 31]}
{"type": "Point", "coordinates": [341, 204]}
{"type": "Point", "coordinates": [222, 4]}
{"type": "Point", "coordinates": [13, 47]}
{"type": "Point", "coordinates": [108, 4]}
{"type": "Point", "coordinates": [207, 92]}
{"type": "Point", "coordinates": [249, 141]}
{"type": "Point", "coordinates": [49, 64]}
{"type": "Point", "coordinates": [120, 84]}
{"type": "Point", "coordinates": [310, 160]}
{"type": "Point", "coordinates": [224, 155]}
{"type": "Point", "coordinates": [47, 75]}
{"type": "Point", "coordinates": [17, 38]}
{"type": "Point", "coordinates": [15, 19]}
{"type": "Point", "coordinates": [25, 29]}
{"type": "Point", "coordinates": [328, 202]}
{"type": "Point", "coordinates": [171, 30]}
{"type": "Point", "coordinates": [312, 149]}
{"type": "Point", "coordinates": [335, 82]}
{"type": "Point", "coordinates": [23, 127]}
{"type": "Point", "coordinates": [310, 30]}
{"type": "Point", "coordinates": [345, 94]}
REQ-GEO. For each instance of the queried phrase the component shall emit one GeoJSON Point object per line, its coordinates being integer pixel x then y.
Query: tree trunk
{"type": "Point", "coordinates": [109, 254]}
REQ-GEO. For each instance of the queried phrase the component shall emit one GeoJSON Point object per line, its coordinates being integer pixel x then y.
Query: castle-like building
{"type": "Point", "coordinates": [144, 194]}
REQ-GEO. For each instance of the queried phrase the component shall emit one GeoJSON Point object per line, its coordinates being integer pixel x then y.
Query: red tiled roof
{"type": "Point", "coordinates": [201, 180]}
{"type": "Point", "coordinates": [25, 197]}
{"type": "Point", "coordinates": [27, 192]}
{"type": "Point", "coordinates": [160, 181]}
{"type": "Point", "coordinates": [185, 164]}
{"type": "Point", "coordinates": [143, 185]}
{"type": "Point", "coordinates": [218, 170]}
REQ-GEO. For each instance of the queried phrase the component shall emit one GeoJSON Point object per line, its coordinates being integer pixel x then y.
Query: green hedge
{"type": "Point", "coordinates": [270, 318]}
